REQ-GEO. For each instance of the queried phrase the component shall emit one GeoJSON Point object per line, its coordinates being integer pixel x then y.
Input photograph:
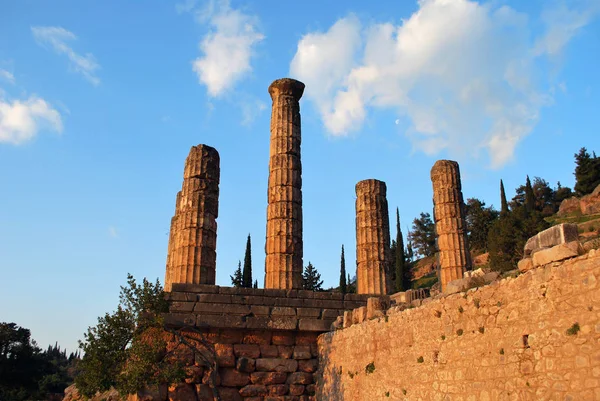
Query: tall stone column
{"type": "Point", "coordinates": [450, 224]}
{"type": "Point", "coordinates": [192, 256]}
{"type": "Point", "coordinates": [283, 263]}
{"type": "Point", "coordinates": [372, 237]}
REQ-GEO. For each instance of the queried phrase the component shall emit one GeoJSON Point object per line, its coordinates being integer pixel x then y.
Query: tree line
{"type": "Point", "coordinates": [29, 373]}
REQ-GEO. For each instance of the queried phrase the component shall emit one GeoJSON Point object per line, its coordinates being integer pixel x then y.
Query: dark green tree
{"type": "Point", "coordinates": [587, 172]}
{"type": "Point", "coordinates": [343, 273]}
{"type": "Point", "coordinates": [402, 273]}
{"type": "Point", "coordinates": [422, 235]}
{"type": "Point", "coordinates": [125, 349]}
{"type": "Point", "coordinates": [409, 251]}
{"type": "Point", "coordinates": [21, 364]}
{"type": "Point", "coordinates": [311, 279]}
{"type": "Point", "coordinates": [479, 220]}
{"type": "Point", "coordinates": [351, 287]}
{"type": "Point", "coordinates": [247, 273]}
{"type": "Point", "coordinates": [237, 279]}
{"type": "Point", "coordinates": [255, 284]}
{"type": "Point", "coordinates": [529, 197]}
{"type": "Point", "coordinates": [560, 194]}
{"type": "Point", "coordinates": [503, 202]}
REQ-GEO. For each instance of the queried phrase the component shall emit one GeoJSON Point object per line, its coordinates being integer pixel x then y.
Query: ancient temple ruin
{"type": "Point", "coordinates": [283, 263]}
{"type": "Point", "coordinates": [519, 337]}
{"type": "Point", "coordinates": [191, 255]}
{"type": "Point", "coordinates": [372, 237]}
{"type": "Point", "coordinates": [450, 224]}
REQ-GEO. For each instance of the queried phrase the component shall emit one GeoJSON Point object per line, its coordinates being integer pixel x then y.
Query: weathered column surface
{"type": "Point", "coordinates": [283, 263]}
{"type": "Point", "coordinates": [372, 237]}
{"type": "Point", "coordinates": [450, 224]}
{"type": "Point", "coordinates": [192, 256]}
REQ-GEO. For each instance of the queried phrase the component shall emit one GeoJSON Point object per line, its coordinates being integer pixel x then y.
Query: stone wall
{"type": "Point", "coordinates": [533, 337]}
{"type": "Point", "coordinates": [265, 340]}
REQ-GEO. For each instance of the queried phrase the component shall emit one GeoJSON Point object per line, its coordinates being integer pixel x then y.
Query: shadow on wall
{"type": "Point", "coordinates": [332, 376]}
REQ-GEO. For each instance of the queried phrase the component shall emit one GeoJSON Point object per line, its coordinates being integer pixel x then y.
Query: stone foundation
{"type": "Point", "coordinates": [265, 340]}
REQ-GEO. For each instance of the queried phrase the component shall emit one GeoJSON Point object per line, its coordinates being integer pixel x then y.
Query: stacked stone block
{"type": "Point", "coordinates": [283, 263]}
{"type": "Point", "coordinates": [450, 224]}
{"type": "Point", "coordinates": [372, 237]}
{"type": "Point", "coordinates": [191, 255]}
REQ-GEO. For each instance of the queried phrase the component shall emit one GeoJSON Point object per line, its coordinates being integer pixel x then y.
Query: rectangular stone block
{"type": "Point", "coordinates": [179, 319]}
{"type": "Point", "coordinates": [221, 309]}
{"type": "Point", "coordinates": [309, 312]}
{"type": "Point", "coordinates": [315, 324]}
{"type": "Point", "coordinates": [220, 321]}
{"type": "Point", "coordinates": [214, 298]}
{"type": "Point", "coordinates": [283, 311]}
{"type": "Point", "coordinates": [259, 310]}
{"type": "Point", "coordinates": [556, 235]}
{"type": "Point", "coordinates": [283, 323]}
{"type": "Point", "coordinates": [181, 306]}
{"type": "Point", "coordinates": [195, 288]}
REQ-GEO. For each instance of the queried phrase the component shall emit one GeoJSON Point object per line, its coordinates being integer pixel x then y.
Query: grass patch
{"type": "Point", "coordinates": [574, 329]}
{"type": "Point", "coordinates": [460, 309]}
{"type": "Point", "coordinates": [420, 359]}
{"type": "Point", "coordinates": [425, 281]}
{"type": "Point", "coordinates": [482, 329]}
{"type": "Point", "coordinates": [370, 368]}
{"type": "Point", "coordinates": [459, 332]}
{"type": "Point", "coordinates": [501, 351]}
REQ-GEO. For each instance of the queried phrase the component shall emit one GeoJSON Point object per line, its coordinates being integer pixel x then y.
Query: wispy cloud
{"type": "Point", "coordinates": [58, 38]}
{"type": "Point", "coordinates": [20, 121]}
{"type": "Point", "coordinates": [461, 73]}
{"type": "Point", "coordinates": [251, 109]}
{"type": "Point", "coordinates": [228, 47]}
{"type": "Point", "coordinates": [7, 76]}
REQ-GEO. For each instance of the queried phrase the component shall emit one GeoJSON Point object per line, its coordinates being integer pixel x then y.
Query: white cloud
{"type": "Point", "coordinates": [227, 48]}
{"type": "Point", "coordinates": [562, 24]}
{"type": "Point", "coordinates": [21, 121]}
{"type": "Point", "coordinates": [462, 73]}
{"type": "Point", "coordinates": [7, 76]}
{"type": "Point", "coordinates": [57, 38]}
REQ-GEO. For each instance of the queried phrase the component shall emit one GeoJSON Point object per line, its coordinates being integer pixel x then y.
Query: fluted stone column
{"type": "Point", "coordinates": [191, 256]}
{"type": "Point", "coordinates": [372, 237]}
{"type": "Point", "coordinates": [283, 263]}
{"type": "Point", "coordinates": [450, 224]}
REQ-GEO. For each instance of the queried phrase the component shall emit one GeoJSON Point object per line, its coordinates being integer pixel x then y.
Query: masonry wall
{"type": "Point", "coordinates": [533, 337]}
{"type": "Point", "coordinates": [264, 341]}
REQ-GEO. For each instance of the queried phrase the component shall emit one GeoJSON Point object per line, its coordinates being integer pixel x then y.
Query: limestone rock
{"type": "Point", "coordinates": [284, 246]}
{"type": "Point", "coordinates": [557, 253]}
{"type": "Point", "coordinates": [569, 206]}
{"type": "Point", "coordinates": [555, 235]}
{"type": "Point", "coordinates": [450, 224]}
{"type": "Point", "coordinates": [372, 237]}
{"type": "Point", "coordinates": [525, 265]}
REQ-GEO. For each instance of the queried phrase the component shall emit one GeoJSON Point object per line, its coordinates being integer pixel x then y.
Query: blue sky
{"type": "Point", "coordinates": [101, 101]}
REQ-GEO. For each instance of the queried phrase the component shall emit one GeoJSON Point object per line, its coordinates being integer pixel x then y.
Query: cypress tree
{"type": "Point", "coordinates": [402, 276]}
{"type": "Point", "coordinates": [247, 274]}
{"type": "Point", "coordinates": [343, 283]}
{"type": "Point", "coordinates": [255, 283]}
{"type": "Point", "coordinates": [504, 203]}
{"type": "Point", "coordinates": [529, 197]}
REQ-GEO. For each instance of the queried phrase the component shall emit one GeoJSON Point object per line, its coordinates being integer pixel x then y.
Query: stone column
{"type": "Point", "coordinates": [191, 256]}
{"type": "Point", "coordinates": [450, 224]}
{"type": "Point", "coordinates": [283, 263]}
{"type": "Point", "coordinates": [372, 237]}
